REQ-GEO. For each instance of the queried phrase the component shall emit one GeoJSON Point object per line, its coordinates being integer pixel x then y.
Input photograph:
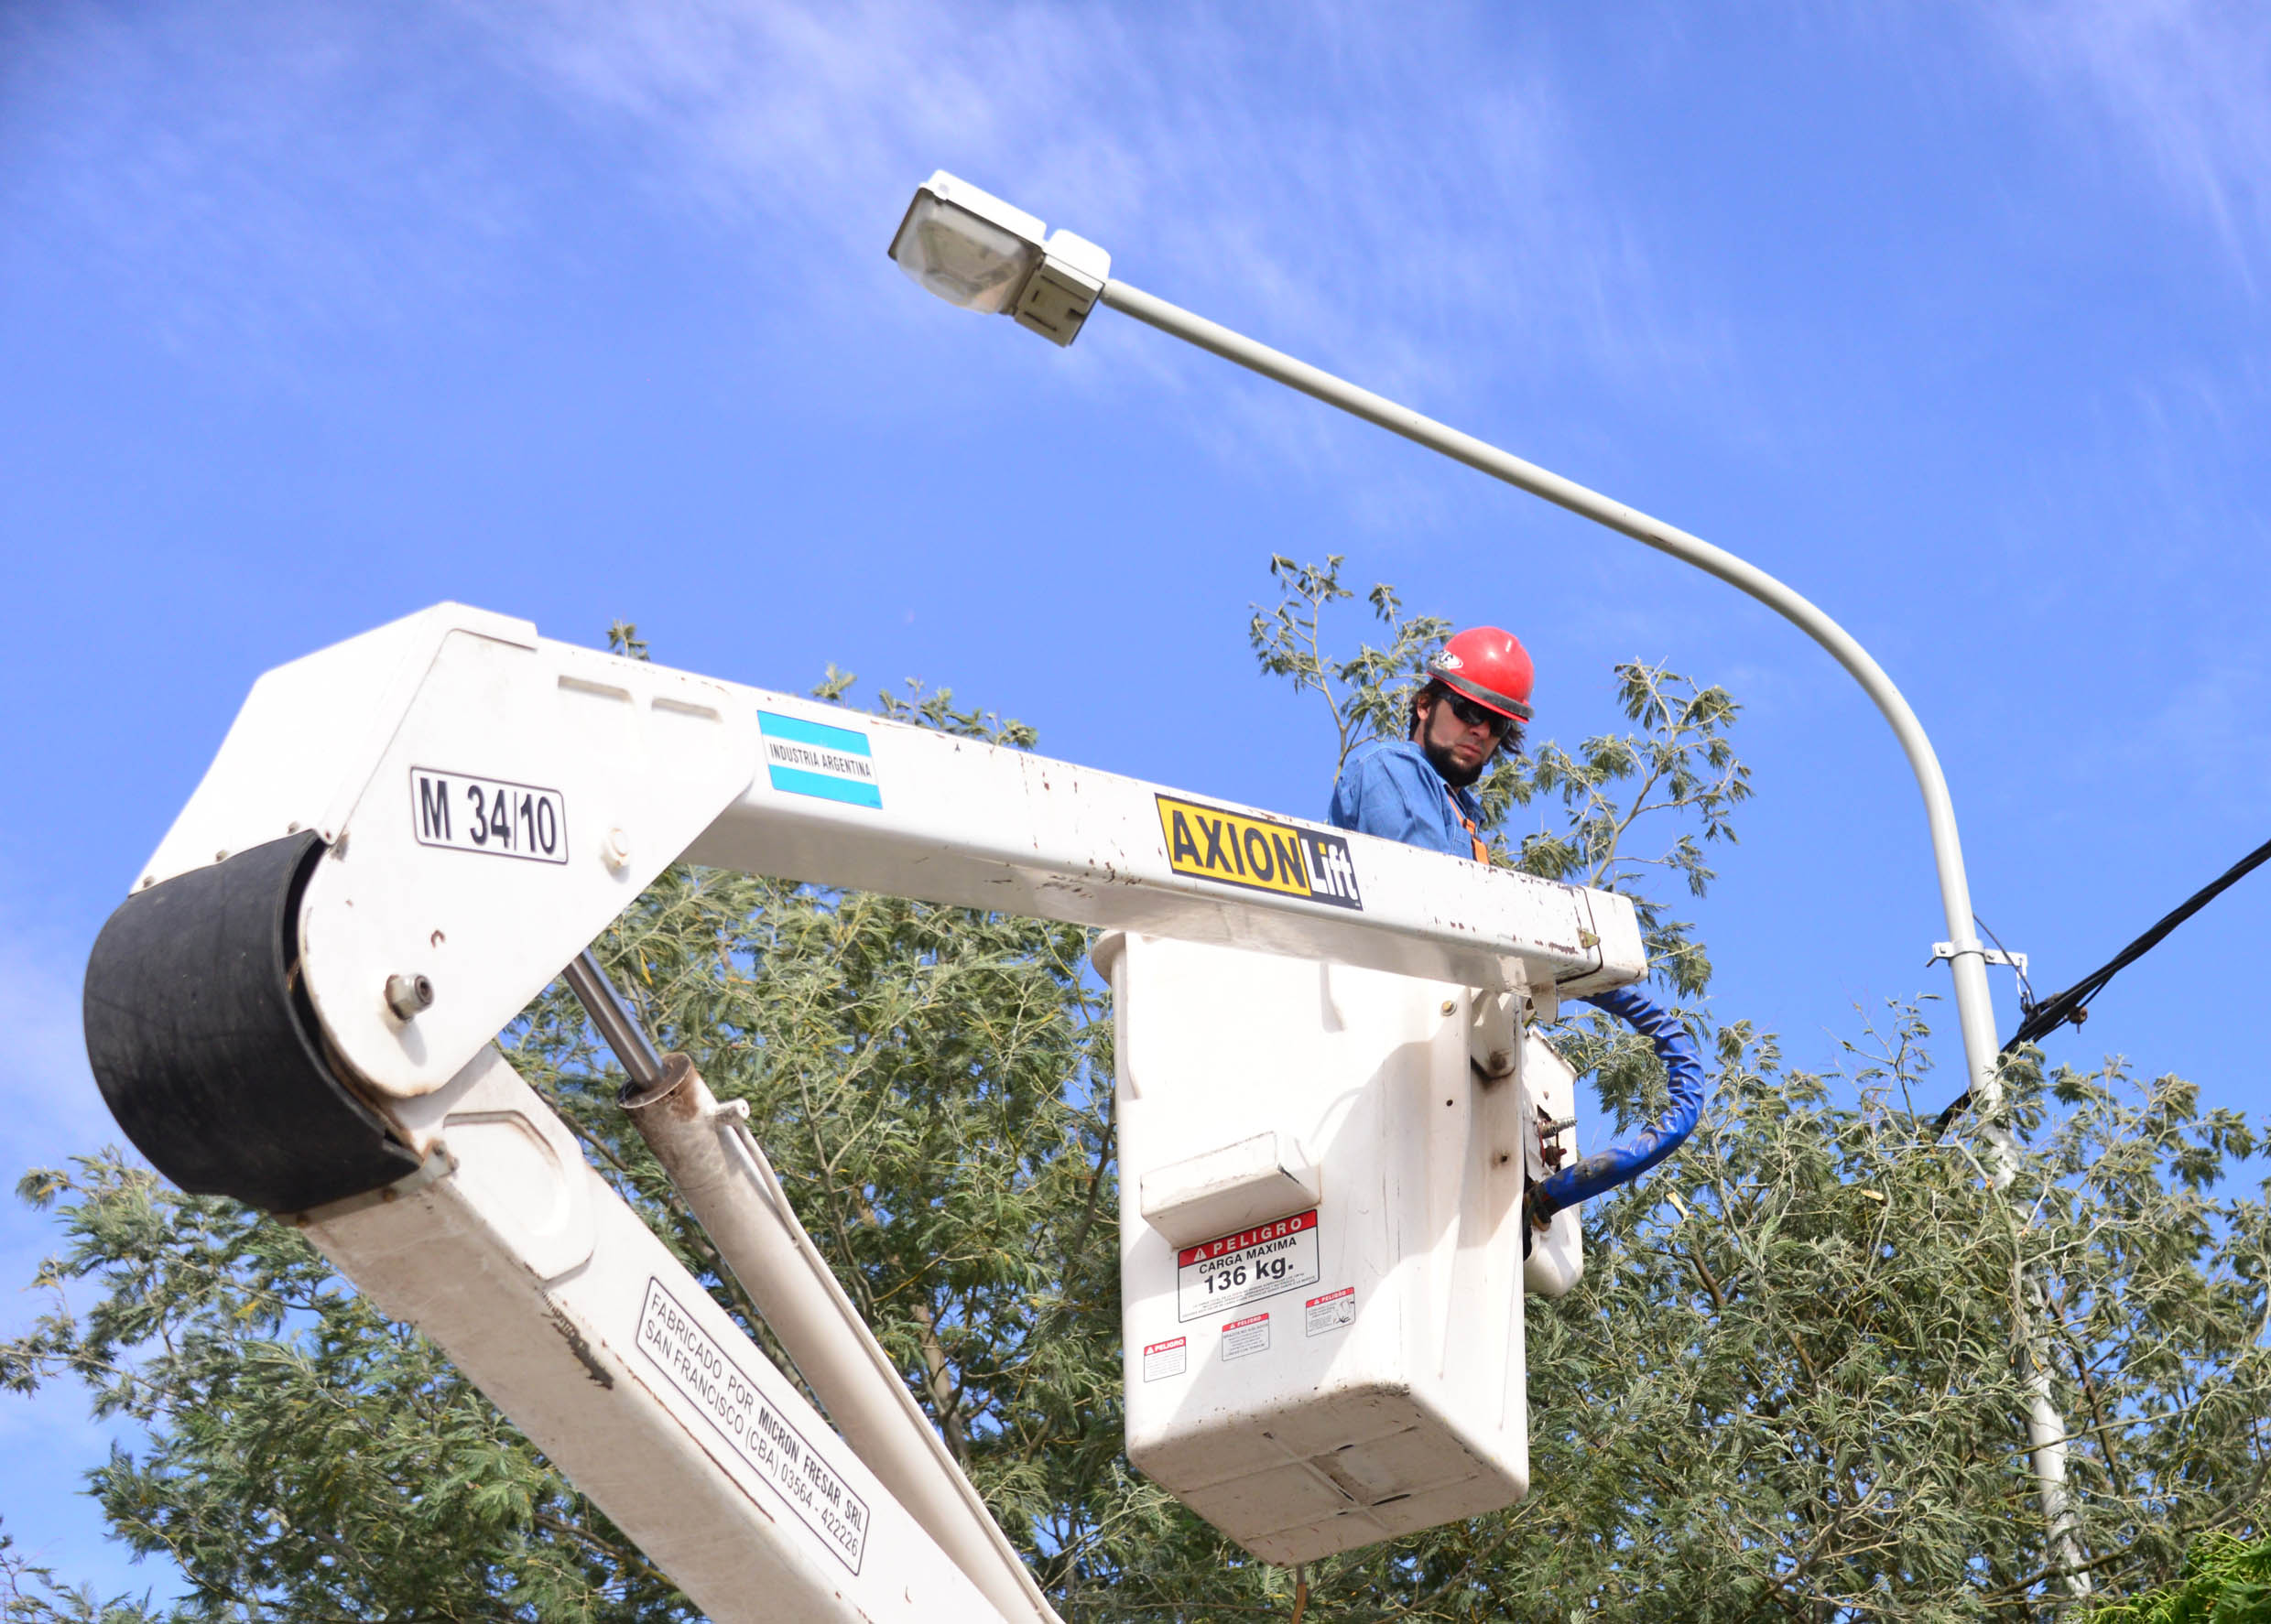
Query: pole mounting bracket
{"type": "Point", "coordinates": [1941, 950]}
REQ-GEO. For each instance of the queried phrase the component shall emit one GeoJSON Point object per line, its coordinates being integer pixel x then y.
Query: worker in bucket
{"type": "Point", "coordinates": [1419, 789]}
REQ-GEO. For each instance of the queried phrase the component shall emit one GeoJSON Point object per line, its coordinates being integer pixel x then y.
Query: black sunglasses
{"type": "Point", "coordinates": [1472, 715]}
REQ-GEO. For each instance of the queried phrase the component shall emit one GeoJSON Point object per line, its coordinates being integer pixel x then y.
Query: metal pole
{"type": "Point", "coordinates": [1975, 1006]}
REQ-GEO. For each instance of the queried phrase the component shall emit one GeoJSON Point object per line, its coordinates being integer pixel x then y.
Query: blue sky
{"type": "Point", "coordinates": [1952, 316]}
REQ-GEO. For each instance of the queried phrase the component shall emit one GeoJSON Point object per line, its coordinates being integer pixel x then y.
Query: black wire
{"type": "Point", "coordinates": [2026, 986]}
{"type": "Point", "coordinates": [2073, 1004]}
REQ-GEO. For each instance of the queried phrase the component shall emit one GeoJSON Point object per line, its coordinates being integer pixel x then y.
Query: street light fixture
{"type": "Point", "coordinates": [978, 253]}
{"type": "Point", "coordinates": [971, 249]}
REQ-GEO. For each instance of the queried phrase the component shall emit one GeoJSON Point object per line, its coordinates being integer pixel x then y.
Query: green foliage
{"type": "Point", "coordinates": [935, 710]}
{"type": "Point", "coordinates": [1679, 766]}
{"type": "Point", "coordinates": [1788, 1386]}
{"type": "Point", "coordinates": [1795, 1358]}
{"type": "Point", "coordinates": [622, 638]}
{"type": "Point", "coordinates": [1369, 692]}
{"type": "Point", "coordinates": [29, 1590]}
{"type": "Point", "coordinates": [2226, 1580]}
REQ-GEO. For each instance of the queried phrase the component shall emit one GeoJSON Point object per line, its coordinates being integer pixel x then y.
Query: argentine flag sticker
{"type": "Point", "coordinates": [811, 758]}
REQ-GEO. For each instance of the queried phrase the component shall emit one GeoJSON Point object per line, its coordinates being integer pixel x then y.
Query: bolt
{"type": "Point", "coordinates": [1448, 1006]}
{"type": "Point", "coordinates": [405, 995]}
{"type": "Point", "coordinates": [615, 850]}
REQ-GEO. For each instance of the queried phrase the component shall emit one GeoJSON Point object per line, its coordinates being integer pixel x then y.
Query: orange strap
{"type": "Point", "coordinates": [1482, 848]}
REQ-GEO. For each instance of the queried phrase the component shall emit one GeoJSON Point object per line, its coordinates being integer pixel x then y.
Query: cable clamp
{"type": "Point", "coordinates": [1941, 950]}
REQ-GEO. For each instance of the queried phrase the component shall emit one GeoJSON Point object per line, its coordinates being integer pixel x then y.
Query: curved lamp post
{"type": "Point", "coordinates": [975, 250]}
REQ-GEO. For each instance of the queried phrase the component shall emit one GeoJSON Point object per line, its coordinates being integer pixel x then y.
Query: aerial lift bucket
{"type": "Point", "coordinates": [1323, 1250]}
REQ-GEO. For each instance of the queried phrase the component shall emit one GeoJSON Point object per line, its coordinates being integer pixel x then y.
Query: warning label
{"type": "Point", "coordinates": [1330, 1312]}
{"type": "Point", "coordinates": [1247, 1267]}
{"type": "Point", "coordinates": [1170, 1358]}
{"type": "Point", "coordinates": [1242, 1336]}
{"type": "Point", "coordinates": [1258, 853]}
{"type": "Point", "coordinates": [728, 1401]}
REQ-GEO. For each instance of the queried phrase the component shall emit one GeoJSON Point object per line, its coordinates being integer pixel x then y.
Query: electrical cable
{"type": "Point", "coordinates": [2039, 1020]}
{"type": "Point", "coordinates": [2026, 986]}
{"type": "Point", "coordinates": [1623, 1163]}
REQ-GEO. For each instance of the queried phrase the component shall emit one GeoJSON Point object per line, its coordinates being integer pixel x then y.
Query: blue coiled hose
{"type": "Point", "coordinates": [1621, 1163]}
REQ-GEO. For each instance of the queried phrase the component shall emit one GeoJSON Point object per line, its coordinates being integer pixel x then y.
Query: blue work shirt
{"type": "Point", "coordinates": [1390, 788]}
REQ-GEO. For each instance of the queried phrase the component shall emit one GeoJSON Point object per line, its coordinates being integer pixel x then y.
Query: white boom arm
{"type": "Point", "coordinates": [406, 836]}
{"type": "Point", "coordinates": [557, 1302]}
{"type": "Point", "coordinates": [379, 744]}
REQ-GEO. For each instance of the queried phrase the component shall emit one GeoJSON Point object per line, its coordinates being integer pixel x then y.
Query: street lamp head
{"type": "Point", "coordinates": [967, 246]}
{"type": "Point", "coordinates": [974, 249]}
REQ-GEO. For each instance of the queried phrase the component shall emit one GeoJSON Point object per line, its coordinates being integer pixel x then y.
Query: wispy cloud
{"type": "Point", "coordinates": [248, 176]}
{"type": "Point", "coordinates": [2187, 84]}
{"type": "Point", "coordinates": [1307, 168]}
{"type": "Point", "coordinates": [1398, 194]}
{"type": "Point", "coordinates": [2211, 725]}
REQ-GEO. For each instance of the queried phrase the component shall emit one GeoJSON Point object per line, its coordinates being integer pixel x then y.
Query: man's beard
{"type": "Point", "coordinates": [1457, 777]}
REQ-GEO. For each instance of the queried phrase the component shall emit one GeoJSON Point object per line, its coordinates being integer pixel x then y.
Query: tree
{"type": "Point", "coordinates": [2226, 1580]}
{"type": "Point", "coordinates": [1788, 1387]}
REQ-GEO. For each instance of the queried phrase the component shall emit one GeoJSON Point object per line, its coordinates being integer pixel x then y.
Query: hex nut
{"type": "Point", "coordinates": [407, 995]}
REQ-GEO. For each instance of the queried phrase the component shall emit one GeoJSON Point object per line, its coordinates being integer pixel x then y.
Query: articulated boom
{"type": "Point", "coordinates": [403, 841]}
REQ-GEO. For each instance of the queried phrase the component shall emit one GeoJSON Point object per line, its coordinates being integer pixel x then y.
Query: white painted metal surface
{"type": "Point", "coordinates": [1557, 1258]}
{"type": "Point", "coordinates": [491, 800]}
{"type": "Point", "coordinates": [641, 764]}
{"type": "Point", "coordinates": [1346, 1365]}
{"type": "Point", "coordinates": [552, 1297]}
{"type": "Point", "coordinates": [635, 760]}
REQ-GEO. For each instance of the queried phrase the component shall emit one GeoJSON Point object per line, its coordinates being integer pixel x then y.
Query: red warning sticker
{"type": "Point", "coordinates": [1330, 1312]}
{"type": "Point", "coordinates": [1170, 1358]}
{"type": "Point", "coordinates": [1236, 1269]}
{"type": "Point", "coordinates": [1242, 1336]}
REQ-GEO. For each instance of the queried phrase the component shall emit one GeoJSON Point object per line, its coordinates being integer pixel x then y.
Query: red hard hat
{"type": "Point", "coordinates": [1488, 667]}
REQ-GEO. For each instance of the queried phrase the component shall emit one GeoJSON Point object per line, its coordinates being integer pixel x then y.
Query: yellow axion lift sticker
{"type": "Point", "coordinates": [1258, 853]}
